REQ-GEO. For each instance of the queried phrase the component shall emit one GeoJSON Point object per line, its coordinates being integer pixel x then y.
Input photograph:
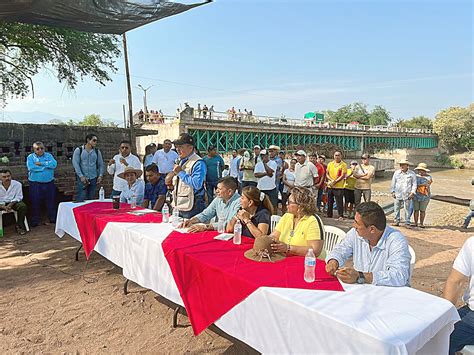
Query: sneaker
{"type": "Point", "coordinates": [396, 224]}
{"type": "Point", "coordinates": [20, 230]}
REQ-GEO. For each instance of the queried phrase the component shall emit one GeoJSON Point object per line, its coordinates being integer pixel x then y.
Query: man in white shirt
{"type": "Point", "coordinates": [463, 269]}
{"type": "Point", "coordinates": [265, 172]}
{"type": "Point", "coordinates": [165, 158]}
{"type": "Point", "coordinates": [118, 164]}
{"type": "Point", "coordinates": [306, 173]}
{"type": "Point", "coordinates": [403, 190]}
{"type": "Point", "coordinates": [11, 196]}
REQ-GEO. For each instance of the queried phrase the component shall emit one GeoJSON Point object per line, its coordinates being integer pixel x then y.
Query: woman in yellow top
{"type": "Point", "coordinates": [299, 230]}
{"type": "Point", "coordinates": [349, 187]}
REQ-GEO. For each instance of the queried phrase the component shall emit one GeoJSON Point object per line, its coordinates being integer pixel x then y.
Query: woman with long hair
{"type": "Point", "coordinates": [288, 179]}
{"type": "Point", "coordinates": [299, 229]}
{"type": "Point", "coordinates": [255, 213]}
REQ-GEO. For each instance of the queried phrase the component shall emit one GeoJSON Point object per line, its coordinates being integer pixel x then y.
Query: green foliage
{"type": "Point", "coordinates": [357, 112]}
{"type": "Point", "coordinates": [95, 120]}
{"type": "Point", "coordinates": [454, 127]}
{"type": "Point", "coordinates": [422, 122]}
{"type": "Point", "coordinates": [71, 55]}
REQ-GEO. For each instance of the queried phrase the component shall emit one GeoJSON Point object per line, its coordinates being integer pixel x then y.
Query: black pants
{"type": "Point", "coordinates": [338, 195]}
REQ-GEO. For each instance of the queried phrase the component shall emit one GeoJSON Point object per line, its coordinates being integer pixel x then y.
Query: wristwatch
{"type": "Point", "coordinates": [361, 278]}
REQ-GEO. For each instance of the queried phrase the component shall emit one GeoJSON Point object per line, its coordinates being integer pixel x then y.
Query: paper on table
{"type": "Point", "coordinates": [142, 212]}
{"type": "Point", "coordinates": [224, 236]}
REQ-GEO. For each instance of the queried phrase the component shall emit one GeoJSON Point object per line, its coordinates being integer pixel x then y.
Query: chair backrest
{"type": "Point", "coordinates": [413, 260]}
{"type": "Point", "coordinates": [332, 237]}
{"type": "Point", "coordinates": [274, 219]}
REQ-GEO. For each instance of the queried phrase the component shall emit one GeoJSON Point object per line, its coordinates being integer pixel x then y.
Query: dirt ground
{"type": "Point", "coordinates": [51, 303]}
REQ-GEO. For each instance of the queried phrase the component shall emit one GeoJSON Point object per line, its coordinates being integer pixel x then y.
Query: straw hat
{"type": "Point", "coordinates": [404, 161]}
{"type": "Point", "coordinates": [129, 169]}
{"type": "Point", "coordinates": [422, 166]}
{"type": "Point", "coordinates": [262, 250]}
{"type": "Point", "coordinates": [274, 147]}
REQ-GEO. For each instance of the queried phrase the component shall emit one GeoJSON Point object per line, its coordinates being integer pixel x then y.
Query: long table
{"type": "Point", "coordinates": [363, 319]}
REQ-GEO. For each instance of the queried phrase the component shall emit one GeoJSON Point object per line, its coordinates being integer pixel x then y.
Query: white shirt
{"type": "Point", "coordinates": [290, 178]}
{"type": "Point", "coordinates": [266, 183]}
{"type": "Point", "coordinates": [403, 183]}
{"type": "Point", "coordinates": [464, 263]}
{"type": "Point", "coordinates": [137, 189]}
{"type": "Point", "coordinates": [165, 161]}
{"type": "Point", "coordinates": [13, 194]}
{"type": "Point", "coordinates": [234, 167]}
{"type": "Point", "coordinates": [118, 168]}
{"type": "Point", "coordinates": [305, 174]}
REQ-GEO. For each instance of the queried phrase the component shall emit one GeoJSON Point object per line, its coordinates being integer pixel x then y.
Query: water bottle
{"type": "Point", "coordinates": [309, 266]}
{"type": "Point", "coordinates": [101, 194]}
{"type": "Point", "coordinates": [133, 202]}
{"type": "Point", "coordinates": [221, 224]}
{"type": "Point", "coordinates": [175, 218]}
{"type": "Point", "coordinates": [165, 212]}
{"type": "Point", "coordinates": [237, 232]}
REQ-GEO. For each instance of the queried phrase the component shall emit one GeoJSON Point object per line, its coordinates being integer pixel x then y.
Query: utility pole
{"type": "Point", "coordinates": [145, 107]}
{"type": "Point", "coordinates": [129, 90]}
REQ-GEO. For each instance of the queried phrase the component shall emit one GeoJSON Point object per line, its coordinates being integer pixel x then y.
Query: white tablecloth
{"type": "Point", "coordinates": [364, 319]}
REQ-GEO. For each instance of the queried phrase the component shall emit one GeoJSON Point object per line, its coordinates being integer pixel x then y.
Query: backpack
{"type": "Point", "coordinates": [81, 148]}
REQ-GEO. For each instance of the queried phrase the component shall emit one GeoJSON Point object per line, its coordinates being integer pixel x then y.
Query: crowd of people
{"type": "Point", "coordinates": [254, 186]}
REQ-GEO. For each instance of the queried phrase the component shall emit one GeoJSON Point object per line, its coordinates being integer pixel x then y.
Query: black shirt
{"type": "Point", "coordinates": [261, 216]}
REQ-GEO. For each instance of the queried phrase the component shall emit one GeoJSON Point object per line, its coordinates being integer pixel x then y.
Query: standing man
{"type": "Point", "coordinates": [155, 189]}
{"type": "Point", "coordinates": [118, 164]}
{"type": "Point", "coordinates": [89, 166]}
{"type": "Point", "coordinates": [306, 174]}
{"type": "Point", "coordinates": [462, 271]}
{"type": "Point", "coordinates": [234, 166]}
{"type": "Point", "coordinates": [364, 173]}
{"type": "Point", "coordinates": [41, 167]}
{"type": "Point", "coordinates": [403, 190]}
{"type": "Point", "coordinates": [321, 185]}
{"type": "Point", "coordinates": [336, 174]}
{"type": "Point", "coordinates": [11, 196]}
{"type": "Point", "coordinates": [273, 151]}
{"type": "Point", "coordinates": [165, 158]}
{"type": "Point", "coordinates": [256, 154]}
{"type": "Point", "coordinates": [187, 178]}
{"type": "Point", "coordinates": [215, 166]}
{"type": "Point", "coordinates": [265, 171]}
{"type": "Point", "coordinates": [247, 166]}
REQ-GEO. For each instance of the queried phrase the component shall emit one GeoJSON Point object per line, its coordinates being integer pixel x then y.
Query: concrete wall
{"type": "Point", "coordinates": [165, 131]}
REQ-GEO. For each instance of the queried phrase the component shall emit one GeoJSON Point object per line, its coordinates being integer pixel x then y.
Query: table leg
{"type": "Point", "coordinates": [125, 287]}
{"type": "Point", "coordinates": [175, 316]}
{"type": "Point", "coordinates": [77, 252]}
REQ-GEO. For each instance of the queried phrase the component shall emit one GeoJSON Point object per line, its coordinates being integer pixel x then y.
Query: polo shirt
{"type": "Point", "coordinates": [304, 174]}
{"type": "Point", "coordinates": [334, 170]}
{"type": "Point", "coordinates": [152, 192]}
{"type": "Point", "coordinates": [266, 183]}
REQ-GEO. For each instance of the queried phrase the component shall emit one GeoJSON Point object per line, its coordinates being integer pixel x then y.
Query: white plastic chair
{"type": "Point", "coordinates": [274, 221]}
{"type": "Point", "coordinates": [332, 237]}
{"type": "Point", "coordinates": [413, 260]}
{"type": "Point", "coordinates": [16, 219]}
{"type": "Point", "coordinates": [467, 350]}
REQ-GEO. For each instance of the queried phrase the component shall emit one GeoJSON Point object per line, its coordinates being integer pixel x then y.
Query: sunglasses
{"type": "Point", "coordinates": [125, 147]}
{"type": "Point", "coordinates": [39, 148]}
{"type": "Point", "coordinates": [94, 140]}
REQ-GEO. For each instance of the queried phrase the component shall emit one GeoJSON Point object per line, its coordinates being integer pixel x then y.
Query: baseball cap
{"type": "Point", "coordinates": [184, 138]}
{"type": "Point", "coordinates": [300, 152]}
{"type": "Point", "coordinates": [263, 152]}
{"type": "Point", "coordinates": [365, 156]}
{"type": "Point", "coordinates": [257, 147]}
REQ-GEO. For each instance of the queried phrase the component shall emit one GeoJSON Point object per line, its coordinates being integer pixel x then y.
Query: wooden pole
{"type": "Point", "coordinates": [129, 90]}
{"type": "Point", "coordinates": [124, 117]}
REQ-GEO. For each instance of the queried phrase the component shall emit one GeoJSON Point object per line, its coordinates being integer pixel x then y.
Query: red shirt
{"type": "Point", "coordinates": [321, 172]}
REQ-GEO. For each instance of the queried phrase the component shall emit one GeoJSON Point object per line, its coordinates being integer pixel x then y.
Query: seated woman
{"type": "Point", "coordinates": [255, 213]}
{"type": "Point", "coordinates": [134, 186]}
{"type": "Point", "coordinates": [299, 229]}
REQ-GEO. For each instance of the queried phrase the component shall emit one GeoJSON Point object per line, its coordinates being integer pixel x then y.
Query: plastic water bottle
{"type": "Point", "coordinates": [175, 218]}
{"type": "Point", "coordinates": [101, 194]}
{"type": "Point", "coordinates": [221, 224]}
{"type": "Point", "coordinates": [310, 266]}
{"type": "Point", "coordinates": [237, 232]}
{"type": "Point", "coordinates": [165, 212]}
{"type": "Point", "coordinates": [133, 201]}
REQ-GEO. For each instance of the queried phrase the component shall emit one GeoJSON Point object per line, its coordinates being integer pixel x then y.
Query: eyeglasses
{"type": "Point", "coordinates": [94, 140]}
{"type": "Point", "coordinates": [39, 148]}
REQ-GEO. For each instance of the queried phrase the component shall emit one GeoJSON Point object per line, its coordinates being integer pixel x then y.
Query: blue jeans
{"type": "Point", "coordinates": [408, 206]}
{"type": "Point", "coordinates": [463, 333]}
{"type": "Point", "coordinates": [210, 188]}
{"type": "Point", "coordinates": [198, 207]}
{"type": "Point", "coordinates": [85, 192]}
{"type": "Point", "coordinates": [467, 220]}
{"type": "Point", "coordinates": [320, 197]}
{"type": "Point", "coordinates": [42, 192]}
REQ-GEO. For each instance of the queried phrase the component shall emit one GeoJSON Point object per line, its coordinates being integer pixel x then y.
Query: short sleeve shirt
{"type": "Point", "coordinates": [350, 181]}
{"type": "Point", "coordinates": [335, 170]}
{"type": "Point", "coordinates": [266, 183]}
{"type": "Point", "coordinates": [464, 263]}
{"type": "Point", "coordinates": [304, 174]}
{"type": "Point", "coordinates": [423, 190]}
{"type": "Point", "coordinates": [261, 216]}
{"type": "Point", "coordinates": [152, 192]}
{"type": "Point", "coordinates": [361, 170]}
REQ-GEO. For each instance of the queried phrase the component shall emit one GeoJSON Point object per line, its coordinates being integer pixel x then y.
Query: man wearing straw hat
{"type": "Point", "coordinates": [422, 194]}
{"type": "Point", "coordinates": [403, 190]}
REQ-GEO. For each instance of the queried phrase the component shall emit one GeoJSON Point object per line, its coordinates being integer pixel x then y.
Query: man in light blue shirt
{"type": "Point", "coordinates": [224, 206]}
{"type": "Point", "coordinates": [403, 190]}
{"type": "Point", "coordinates": [380, 253]}
{"type": "Point", "coordinates": [89, 166]}
{"type": "Point", "coordinates": [41, 167]}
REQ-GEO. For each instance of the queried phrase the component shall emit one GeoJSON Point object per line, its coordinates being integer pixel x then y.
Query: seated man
{"type": "Point", "coordinates": [134, 186]}
{"type": "Point", "coordinates": [225, 205]}
{"type": "Point", "coordinates": [463, 269]}
{"type": "Point", "coordinates": [155, 189]}
{"type": "Point", "coordinates": [379, 252]}
{"type": "Point", "coordinates": [11, 196]}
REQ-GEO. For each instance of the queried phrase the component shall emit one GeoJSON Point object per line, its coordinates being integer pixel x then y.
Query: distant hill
{"type": "Point", "coordinates": [37, 117]}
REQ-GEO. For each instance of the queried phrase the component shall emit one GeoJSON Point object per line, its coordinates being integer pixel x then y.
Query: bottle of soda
{"type": "Point", "coordinates": [165, 212]}
{"type": "Point", "coordinates": [237, 232]}
{"type": "Point", "coordinates": [101, 194]}
{"type": "Point", "coordinates": [310, 266]}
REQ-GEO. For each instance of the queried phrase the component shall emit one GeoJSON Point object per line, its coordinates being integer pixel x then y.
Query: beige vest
{"type": "Point", "coordinates": [183, 194]}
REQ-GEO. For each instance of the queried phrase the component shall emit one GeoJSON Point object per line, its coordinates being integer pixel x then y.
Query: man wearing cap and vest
{"type": "Point", "coordinates": [187, 178]}
{"type": "Point", "coordinates": [403, 190]}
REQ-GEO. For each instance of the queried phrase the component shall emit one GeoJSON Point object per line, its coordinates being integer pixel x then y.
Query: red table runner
{"type": "Point", "coordinates": [213, 276]}
{"type": "Point", "coordinates": [92, 218]}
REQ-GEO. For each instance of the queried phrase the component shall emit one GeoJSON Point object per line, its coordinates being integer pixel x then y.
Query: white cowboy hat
{"type": "Point", "coordinates": [129, 169]}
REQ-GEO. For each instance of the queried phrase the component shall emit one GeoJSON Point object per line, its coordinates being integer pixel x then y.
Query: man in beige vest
{"type": "Point", "coordinates": [187, 177]}
{"type": "Point", "coordinates": [364, 174]}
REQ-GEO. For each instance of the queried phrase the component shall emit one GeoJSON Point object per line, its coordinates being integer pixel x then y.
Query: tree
{"type": "Point", "coordinates": [454, 127]}
{"type": "Point", "coordinates": [72, 55]}
{"type": "Point", "coordinates": [422, 122]}
{"type": "Point", "coordinates": [379, 116]}
{"type": "Point", "coordinates": [96, 120]}
{"type": "Point", "coordinates": [349, 113]}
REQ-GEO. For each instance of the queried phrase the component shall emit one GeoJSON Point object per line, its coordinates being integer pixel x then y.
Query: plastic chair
{"type": "Point", "coordinates": [467, 350]}
{"type": "Point", "coordinates": [413, 260]}
{"type": "Point", "coordinates": [274, 221]}
{"type": "Point", "coordinates": [16, 219]}
{"type": "Point", "coordinates": [332, 237]}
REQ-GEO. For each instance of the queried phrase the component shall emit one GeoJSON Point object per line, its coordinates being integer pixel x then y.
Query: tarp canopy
{"type": "Point", "coordinates": [101, 16]}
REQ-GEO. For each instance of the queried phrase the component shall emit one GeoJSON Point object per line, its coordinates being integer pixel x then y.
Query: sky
{"type": "Point", "coordinates": [286, 57]}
